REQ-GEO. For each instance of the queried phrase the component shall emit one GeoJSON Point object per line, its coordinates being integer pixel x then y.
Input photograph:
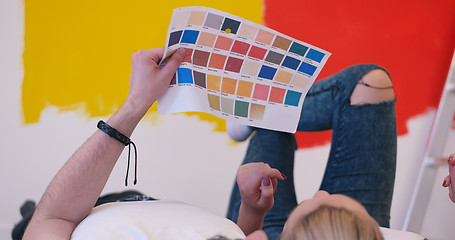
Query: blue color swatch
{"type": "Point", "coordinates": [267, 72]}
{"type": "Point", "coordinates": [307, 68]}
{"type": "Point", "coordinates": [292, 98]}
{"type": "Point", "coordinates": [190, 36]}
{"type": "Point", "coordinates": [291, 63]}
{"type": "Point", "coordinates": [315, 55]}
{"type": "Point", "coordinates": [184, 75]}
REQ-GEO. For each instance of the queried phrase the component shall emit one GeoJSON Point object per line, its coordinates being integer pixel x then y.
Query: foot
{"type": "Point", "coordinates": [238, 132]}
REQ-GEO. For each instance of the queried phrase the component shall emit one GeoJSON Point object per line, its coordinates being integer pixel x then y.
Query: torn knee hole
{"type": "Point", "coordinates": [374, 87]}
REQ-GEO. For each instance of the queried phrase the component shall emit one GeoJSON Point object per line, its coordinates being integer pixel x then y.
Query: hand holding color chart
{"type": "Point", "coordinates": [238, 70]}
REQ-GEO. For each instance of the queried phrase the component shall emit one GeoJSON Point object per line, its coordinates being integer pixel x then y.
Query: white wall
{"type": "Point", "coordinates": [31, 154]}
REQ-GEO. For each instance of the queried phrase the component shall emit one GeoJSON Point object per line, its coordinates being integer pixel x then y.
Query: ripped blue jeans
{"type": "Point", "coordinates": [362, 159]}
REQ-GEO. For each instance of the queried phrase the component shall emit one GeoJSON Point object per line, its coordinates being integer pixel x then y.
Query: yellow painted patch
{"type": "Point", "coordinates": [77, 53]}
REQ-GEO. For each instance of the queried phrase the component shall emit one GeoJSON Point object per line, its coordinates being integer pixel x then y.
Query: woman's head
{"type": "Point", "coordinates": [328, 216]}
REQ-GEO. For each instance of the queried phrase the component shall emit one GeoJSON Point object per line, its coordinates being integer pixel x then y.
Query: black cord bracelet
{"type": "Point", "coordinates": [113, 133]}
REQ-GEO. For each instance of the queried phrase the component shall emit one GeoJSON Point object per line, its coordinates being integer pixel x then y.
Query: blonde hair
{"type": "Point", "coordinates": [327, 222]}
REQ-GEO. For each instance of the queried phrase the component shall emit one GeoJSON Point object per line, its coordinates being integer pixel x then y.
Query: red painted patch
{"type": "Point", "coordinates": [413, 40]}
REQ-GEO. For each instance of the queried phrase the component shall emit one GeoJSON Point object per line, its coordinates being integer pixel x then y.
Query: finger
{"type": "Point", "coordinates": [154, 55]}
{"type": "Point", "coordinates": [451, 159]}
{"type": "Point", "coordinates": [451, 194]}
{"type": "Point", "coordinates": [266, 187]}
{"type": "Point", "coordinates": [447, 181]}
{"type": "Point", "coordinates": [274, 184]}
{"type": "Point", "coordinates": [275, 173]}
{"type": "Point", "coordinates": [174, 62]}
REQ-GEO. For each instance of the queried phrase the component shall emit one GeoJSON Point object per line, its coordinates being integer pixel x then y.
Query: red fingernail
{"type": "Point", "coordinates": [284, 176]}
{"type": "Point", "coordinates": [444, 183]}
{"type": "Point", "coordinates": [266, 181]}
{"type": "Point", "coordinates": [450, 159]}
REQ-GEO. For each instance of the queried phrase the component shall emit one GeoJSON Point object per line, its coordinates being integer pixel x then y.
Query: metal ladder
{"type": "Point", "coordinates": [433, 156]}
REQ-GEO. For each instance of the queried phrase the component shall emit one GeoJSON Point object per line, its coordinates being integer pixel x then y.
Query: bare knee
{"type": "Point", "coordinates": [374, 87]}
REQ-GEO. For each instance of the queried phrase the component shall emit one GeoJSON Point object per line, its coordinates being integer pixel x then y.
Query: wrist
{"type": "Point", "coordinates": [251, 211]}
{"type": "Point", "coordinates": [135, 106]}
{"type": "Point", "coordinates": [126, 118]}
{"type": "Point", "coordinates": [250, 219]}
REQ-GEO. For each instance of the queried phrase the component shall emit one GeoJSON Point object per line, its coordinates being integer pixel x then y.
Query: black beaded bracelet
{"type": "Point", "coordinates": [113, 133]}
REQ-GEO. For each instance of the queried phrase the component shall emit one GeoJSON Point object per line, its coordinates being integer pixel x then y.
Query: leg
{"type": "Point", "coordinates": [276, 149]}
{"type": "Point", "coordinates": [358, 105]}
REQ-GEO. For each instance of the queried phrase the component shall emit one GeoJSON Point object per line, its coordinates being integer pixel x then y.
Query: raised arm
{"type": "Point", "coordinates": [72, 193]}
{"type": "Point", "coordinates": [257, 184]}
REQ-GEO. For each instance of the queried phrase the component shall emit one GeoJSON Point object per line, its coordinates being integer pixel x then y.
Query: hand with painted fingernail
{"type": "Point", "coordinates": [257, 184]}
{"type": "Point", "coordinates": [451, 177]}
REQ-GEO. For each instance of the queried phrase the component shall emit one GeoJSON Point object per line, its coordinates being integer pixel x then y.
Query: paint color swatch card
{"type": "Point", "coordinates": [238, 70]}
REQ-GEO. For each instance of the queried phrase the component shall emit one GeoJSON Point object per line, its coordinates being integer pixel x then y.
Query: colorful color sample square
{"type": "Point", "coordinates": [277, 95]}
{"type": "Point", "coordinates": [291, 63]}
{"type": "Point", "coordinates": [233, 64]}
{"type": "Point", "coordinates": [315, 55]}
{"type": "Point", "coordinates": [292, 98]}
{"type": "Point", "coordinates": [184, 75]}
{"type": "Point", "coordinates": [244, 88]}
{"type": "Point", "coordinates": [257, 111]}
{"type": "Point", "coordinates": [217, 61]}
{"type": "Point", "coordinates": [282, 43]}
{"type": "Point", "coordinates": [298, 48]}
{"type": "Point", "coordinates": [257, 52]}
{"type": "Point", "coordinates": [274, 57]}
{"type": "Point", "coordinates": [230, 24]}
{"type": "Point", "coordinates": [227, 105]}
{"type": "Point", "coordinates": [247, 31]}
{"type": "Point", "coordinates": [265, 37]}
{"type": "Point", "coordinates": [206, 39]}
{"type": "Point", "coordinates": [196, 18]}
{"type": "Point", "coordinates": [214, 101]}
{"type": "Point", "coordinates": [200, 58]}
{"type": "Point", "coordinates": [199, 79]}
{"type": "Point", "coordinates": [283, 76]}
{"type": "Point", "coordinates": [190, 36]}
{"type": "Point", "coordinates": [174, 38]}
{"type": "Point", "coordinates": [267, 72]}
{"type": "Point", "coordinates": [250, 68]}
{"type": "Point", "coordinates": [223, 43]}
{"type": "Point", "coordinates": [213, 82]}
{"type": "Point", "coordinates": [240, 47]}
{"type": "Point", "coordinates": [213, 21]}
{"type": "Point", "coordinates": [241, 108]}
{"type": "Point", "coordinates": [307, 68]}
{"type": "Point", "coordinates": [228, 85]}
{"type": "Point", "coordinates": [180, 19]}
{"type": "Point", "coordinates": [300, 81]}
{"type": "Point", "coordinates": [261, 92]}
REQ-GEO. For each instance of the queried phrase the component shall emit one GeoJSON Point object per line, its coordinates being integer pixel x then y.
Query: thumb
{"type": "Point", "coordinates": [266, 188]}
{"type": "Point", "coordinates": [174, 62]}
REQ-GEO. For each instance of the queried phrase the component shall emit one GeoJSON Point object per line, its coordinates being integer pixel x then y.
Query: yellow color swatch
{"type": "Point", "coordinates": [244, 89]}
{"type": "Point", "coordinates": [213, 82]}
